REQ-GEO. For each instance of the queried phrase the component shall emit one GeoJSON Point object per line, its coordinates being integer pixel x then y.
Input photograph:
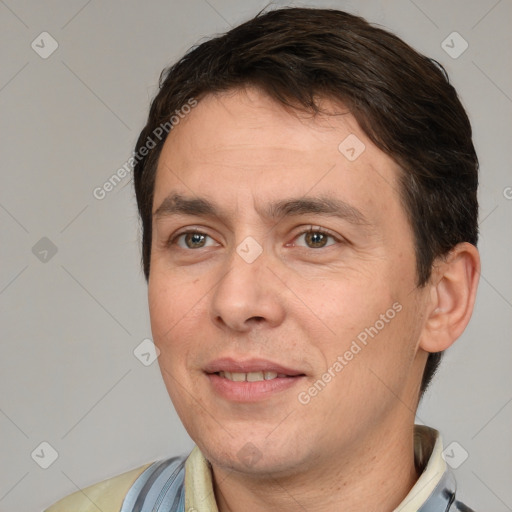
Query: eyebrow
{"type": "Point", "coordinates": [176, 204]}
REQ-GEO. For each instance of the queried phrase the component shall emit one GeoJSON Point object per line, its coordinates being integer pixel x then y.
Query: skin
{"type": "Point", "coordinates": [296, 304]}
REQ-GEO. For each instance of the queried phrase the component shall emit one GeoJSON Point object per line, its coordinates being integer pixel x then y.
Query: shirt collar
{"type": "Point", "coordinates": [428, 448]}
{"type": "Point", "coordinates": [428, 457]}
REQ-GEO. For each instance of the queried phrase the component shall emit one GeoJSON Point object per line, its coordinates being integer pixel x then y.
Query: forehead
{"type": "Point", "coordinates": [241, 144]}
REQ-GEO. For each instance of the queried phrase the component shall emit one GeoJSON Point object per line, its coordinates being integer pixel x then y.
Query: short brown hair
{"type": "Point", "coordinates": [401, 99]}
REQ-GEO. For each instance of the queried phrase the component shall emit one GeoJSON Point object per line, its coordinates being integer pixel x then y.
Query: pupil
{"type": "Point", "coordinates": [195, 238]}
{"type": "Point", "coordinates": [316, 239]}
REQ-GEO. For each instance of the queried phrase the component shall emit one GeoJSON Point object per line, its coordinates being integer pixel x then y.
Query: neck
{"type": "Point", "coordinates": [374, 477]}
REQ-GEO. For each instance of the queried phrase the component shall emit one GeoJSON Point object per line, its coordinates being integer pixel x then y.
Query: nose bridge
{"type": "Point", "coordinates": [245, 294]}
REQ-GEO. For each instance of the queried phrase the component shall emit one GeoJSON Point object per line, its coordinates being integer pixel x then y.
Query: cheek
{"type": "Point", "coordinates": [349, 306]}
{"type": "Point", "coordinates": [167, 310]}
{"type": "Point", "coordinates": [171, 304]}
{"type": "Point", "coordinates": [171, 292]}
{"type": "Point", "coordinates": [370, 323]}
{"type": "Point", "coordinates": [161, 311]}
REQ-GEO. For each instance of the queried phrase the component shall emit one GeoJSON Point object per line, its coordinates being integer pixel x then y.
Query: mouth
{"type": "Point", "coordinates": [250, 380]}
{"type": "Point", "coordinates": [252, 376]}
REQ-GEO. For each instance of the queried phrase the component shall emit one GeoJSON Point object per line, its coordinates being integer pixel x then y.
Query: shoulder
{"type": "Point", "coordinates": [107, 495]}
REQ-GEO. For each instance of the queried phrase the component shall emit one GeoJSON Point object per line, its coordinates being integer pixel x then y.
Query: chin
{"type": "Point", "coordinates": [255, 454]}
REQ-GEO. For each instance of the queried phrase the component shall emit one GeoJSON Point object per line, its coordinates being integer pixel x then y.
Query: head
{"type": "Point", "coordinates": [262, 115]}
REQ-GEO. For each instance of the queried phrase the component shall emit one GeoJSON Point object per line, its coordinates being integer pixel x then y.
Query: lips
{"type": "Point", "coordinates": [251, 376]}
{"type": "Point", "coordinates": [252, 380]}
{"type": "Point", "coordinates": [230, 365]}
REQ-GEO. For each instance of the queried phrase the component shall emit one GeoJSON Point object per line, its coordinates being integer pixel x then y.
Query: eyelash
{"type": "Point", "coordinates": [312, 229]}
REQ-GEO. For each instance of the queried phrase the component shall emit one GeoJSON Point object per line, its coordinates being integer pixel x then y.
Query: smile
{"type": "Point", "coordinates": [250, 377]}
{"type": "Point", "coordinates": [254, 380]}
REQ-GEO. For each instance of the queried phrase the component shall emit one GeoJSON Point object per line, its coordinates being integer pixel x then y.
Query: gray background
{"type": "Point", "coordinates": [71, 320]}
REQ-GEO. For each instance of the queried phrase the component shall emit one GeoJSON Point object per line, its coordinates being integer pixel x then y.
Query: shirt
{"type": "Point", "coordinates": [184, 484]}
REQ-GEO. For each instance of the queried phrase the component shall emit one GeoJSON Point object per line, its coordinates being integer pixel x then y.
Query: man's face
{"type": "Point", "coordinates": [255, 288]}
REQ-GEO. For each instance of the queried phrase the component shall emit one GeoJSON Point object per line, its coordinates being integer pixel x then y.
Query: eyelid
{"type": "Point", "coordinates": [185, 231]}
{"type": "Point", "coordinates": [312, 228]}
{"type": "Point", "coordinates": [319, 229]}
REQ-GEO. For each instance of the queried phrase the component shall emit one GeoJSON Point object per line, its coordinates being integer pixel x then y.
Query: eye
{"type": "Point", "coordinates": [316, 238]}
{"type": "Point", "coordinates": [192, 240]}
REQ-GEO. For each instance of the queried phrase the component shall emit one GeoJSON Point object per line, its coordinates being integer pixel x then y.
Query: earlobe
{"type": "Point", "coordinates": [453, 288]}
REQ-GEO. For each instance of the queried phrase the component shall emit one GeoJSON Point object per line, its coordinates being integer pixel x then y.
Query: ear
{"type": "Point", "coordinates": [453, 286]}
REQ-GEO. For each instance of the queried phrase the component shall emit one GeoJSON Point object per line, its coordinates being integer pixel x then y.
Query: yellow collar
{"type": "Point", "coordinates": [199, 494]}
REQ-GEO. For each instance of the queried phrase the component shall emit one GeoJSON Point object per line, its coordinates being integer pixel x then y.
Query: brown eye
{"type": "Point", "coordinates": [316, 239]}
{"type": "Point", "coordinates": [192, 240]}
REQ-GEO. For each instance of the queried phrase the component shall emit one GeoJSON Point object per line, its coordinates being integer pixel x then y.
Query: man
{"type": "Point", "coordinates": [307, 188]}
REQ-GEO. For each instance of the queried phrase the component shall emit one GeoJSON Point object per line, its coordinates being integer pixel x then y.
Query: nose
{"type": "Point", "coordinates": [247, 295]}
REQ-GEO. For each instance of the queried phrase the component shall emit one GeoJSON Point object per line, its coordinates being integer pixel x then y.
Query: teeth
{"type": "Point", "coordinates": [255, 376]}
{"type": "Point", "coordinates": [250, 377]}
